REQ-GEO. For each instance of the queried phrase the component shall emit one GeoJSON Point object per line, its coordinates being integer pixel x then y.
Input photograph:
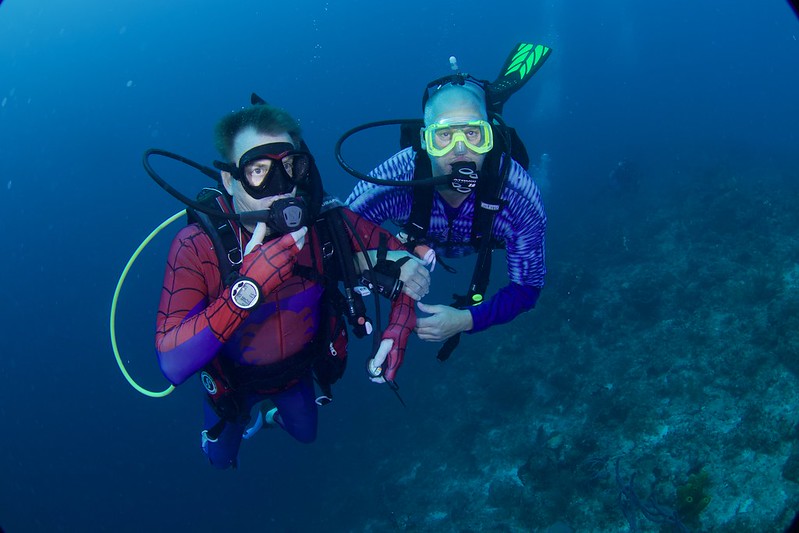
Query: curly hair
{"type": "Point", "coordinates": [264, 118]}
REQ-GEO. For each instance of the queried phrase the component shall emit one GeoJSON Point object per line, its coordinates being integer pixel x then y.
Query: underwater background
{"type": "Point", "coordinates": [654, 387]}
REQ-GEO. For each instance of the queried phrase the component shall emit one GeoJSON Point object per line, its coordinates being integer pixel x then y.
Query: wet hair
{"type": "Point", "coordinates": [264, 118]}
{"type": "Point", "coordinates": [455, 94]}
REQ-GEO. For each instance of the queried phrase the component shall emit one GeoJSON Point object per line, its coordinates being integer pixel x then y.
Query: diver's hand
{"type": "Point", "coordinates": [375, 366]}
{"type": "Point", "coordinates": [415, 278]}
{"type": "Point", "coordinates": [258, 235]}
{"type": "Point", "coordinates": [299, 237]}
{"type": "Point", "coordinates": [426, 254]}
{"type": "Point", "coordinates": [444, 322]}
{"type": "Point", "coordinates": [272, 263]}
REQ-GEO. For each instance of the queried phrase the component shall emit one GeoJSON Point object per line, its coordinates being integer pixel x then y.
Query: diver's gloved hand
{"type": "Point", "coordinates": [271, 264]}
{"type": "Point", "coordinates": [376, 366]}
{"type": "Point", "coordinates": [426, 254]}
{"type": "Point", "coordinates": [384, 365]}
{"type": "Point", "coordinates": [415, 278]}
{"type": "Point", "coordinates": [258, 236]}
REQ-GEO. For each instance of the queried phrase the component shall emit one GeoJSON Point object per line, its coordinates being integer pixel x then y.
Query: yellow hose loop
{"type": "Point", "coordinates": [112, 324]}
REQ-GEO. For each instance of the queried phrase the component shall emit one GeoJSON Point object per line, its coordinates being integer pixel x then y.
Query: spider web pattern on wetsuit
{"type": "Point", "coordinates": [191, 280]}
{"type": "Point", "coordinates": [196, 315]}
{"type": "Point", "coordinates": [185, 339]}
{"type": "Point", "coordinates": [191, 331]}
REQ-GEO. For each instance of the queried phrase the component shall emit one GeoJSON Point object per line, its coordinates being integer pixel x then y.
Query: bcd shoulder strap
{"type": "Point", "coordinates": [223, 232]}
{"type": "Point", "coordinates": [488, 203]}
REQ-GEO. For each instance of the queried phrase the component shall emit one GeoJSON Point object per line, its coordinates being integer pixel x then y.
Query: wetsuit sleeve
{"type": "Point", "coordinates": [378, 203]}
{"type": "Point", "coordinates": [196, 315]}
{"type": "Point", "coordinates": [508, 303]}
{"type": "Point", "coordinates": [521, 225]}
{"type": "Point", "coordinates": [402, 319]}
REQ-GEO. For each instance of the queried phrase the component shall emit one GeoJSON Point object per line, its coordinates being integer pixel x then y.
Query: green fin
{"type": "Point", "coordinates": [519, 67]}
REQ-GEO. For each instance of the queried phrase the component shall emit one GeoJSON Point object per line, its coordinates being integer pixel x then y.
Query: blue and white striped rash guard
{"type": "Point", "coordinates": [520, 225]}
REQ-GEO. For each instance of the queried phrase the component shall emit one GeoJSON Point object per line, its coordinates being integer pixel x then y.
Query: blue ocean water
{"type": "Point", "coordinates": [664, 342]}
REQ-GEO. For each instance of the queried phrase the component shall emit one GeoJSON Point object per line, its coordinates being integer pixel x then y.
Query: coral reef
{"type": "Point", "coordinates": [654, 388]}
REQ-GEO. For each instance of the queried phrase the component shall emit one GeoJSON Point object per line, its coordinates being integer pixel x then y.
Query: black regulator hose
{"type": "Point", "coordinates": [427, 182]}
{"type": "Point", "coordinates": [250, 216]}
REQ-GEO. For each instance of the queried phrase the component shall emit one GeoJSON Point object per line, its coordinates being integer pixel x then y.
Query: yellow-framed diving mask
{"type": "Point", "coordinates": [441, 138]}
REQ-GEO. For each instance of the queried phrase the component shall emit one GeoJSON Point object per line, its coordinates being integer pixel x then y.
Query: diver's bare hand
{"type": "Point", "coordinates": [444, 322]}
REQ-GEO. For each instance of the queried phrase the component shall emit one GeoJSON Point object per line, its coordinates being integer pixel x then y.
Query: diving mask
{"type": "Point", "coordinates": [441, 138]}
{"type": "Point", "coordinates": [270, 169]}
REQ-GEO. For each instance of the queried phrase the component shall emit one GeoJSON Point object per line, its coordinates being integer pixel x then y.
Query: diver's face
{"type": "Point", "coordinates": [244, 141]}
{"type": "Point", "coordinates": [452, 112]}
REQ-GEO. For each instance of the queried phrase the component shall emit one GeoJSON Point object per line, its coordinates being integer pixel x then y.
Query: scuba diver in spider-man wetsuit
{"type": "Point", "coordinates": [262, 335]}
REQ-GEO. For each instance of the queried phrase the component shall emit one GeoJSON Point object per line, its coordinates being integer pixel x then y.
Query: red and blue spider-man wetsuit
{"type": "Point", "coordinates": [197, 322]}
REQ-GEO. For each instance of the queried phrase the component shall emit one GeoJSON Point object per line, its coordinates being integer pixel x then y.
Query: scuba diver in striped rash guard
{"type": "Point", "coordinates": [460, 186]}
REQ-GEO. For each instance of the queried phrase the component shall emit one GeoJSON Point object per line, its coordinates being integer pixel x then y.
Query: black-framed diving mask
{"type": "Point", "coordinates": [270, 169]}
